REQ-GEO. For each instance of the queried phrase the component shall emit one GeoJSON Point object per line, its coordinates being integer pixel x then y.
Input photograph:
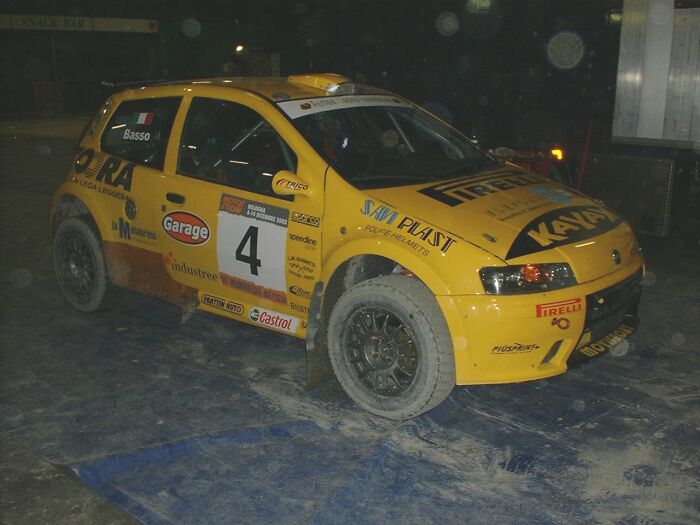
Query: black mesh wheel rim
{"type": "Point", "coordinates": [76, 267]}
{"type": "Point", "coordinates": [381, 350]}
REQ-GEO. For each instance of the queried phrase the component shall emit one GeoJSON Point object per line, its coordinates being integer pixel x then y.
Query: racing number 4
{"type": "Point", "coordinates": [250, 237]}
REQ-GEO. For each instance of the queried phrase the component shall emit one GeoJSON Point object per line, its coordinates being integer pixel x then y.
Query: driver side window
{"type": "Point", "coordinates": [232, 145]}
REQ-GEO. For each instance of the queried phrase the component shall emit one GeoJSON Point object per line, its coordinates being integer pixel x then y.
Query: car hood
{"type": "Point", "coordinates": [511, 213]}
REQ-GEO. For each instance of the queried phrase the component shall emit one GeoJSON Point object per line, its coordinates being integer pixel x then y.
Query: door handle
{"type": "Point", "coordinates": [175, 197]}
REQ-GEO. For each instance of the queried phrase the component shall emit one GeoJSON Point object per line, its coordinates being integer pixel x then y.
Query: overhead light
{"type": "Point", "coordinates": [240, 48]}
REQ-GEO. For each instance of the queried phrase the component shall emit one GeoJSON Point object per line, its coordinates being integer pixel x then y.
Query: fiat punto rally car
{"type": "Point", "coordinates": [408, 258]}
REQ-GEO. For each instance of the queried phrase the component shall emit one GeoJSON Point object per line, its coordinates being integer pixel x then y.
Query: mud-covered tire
{"type": "Point", "coordinates": [80, 266]}
{"type": "Point", "coordinates": [402, 364]}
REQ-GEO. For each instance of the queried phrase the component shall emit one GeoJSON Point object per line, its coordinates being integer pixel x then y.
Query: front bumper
{"type": "Point", "coordinates": [503, 339]}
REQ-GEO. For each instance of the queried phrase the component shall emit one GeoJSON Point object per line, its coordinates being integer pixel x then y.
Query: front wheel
{"type": "Point", "coordinates": [390, 347]}
{"type": "Point", "coordinates": [80, 266]}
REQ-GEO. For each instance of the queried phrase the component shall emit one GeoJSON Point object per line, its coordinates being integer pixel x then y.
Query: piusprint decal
{"type": "Point", "coordinates": [615, 337]}
{"type": "Point", "coordinates": [562, 226]}
{"type": "Point", "coordinates": [456, 192]}
{"type": "Point", "coordinates": [108, 170]}
{"type": "Point", "coordinates": [127, 231]}
{"type": "Point", "coordinates": [515, 348]}
{"type": "Point", "coordinates": [559, 307]}
{"type": "Point", "coordinates": [272, 319]}
{"type": "Point", "coordinates": [186, 228]}
{"type": "Point", "coordinates": [222, 304]}
{"type": "Point", "coordinates": [303, 218]}
{"type": "Point", "coordinates": [412, 226]}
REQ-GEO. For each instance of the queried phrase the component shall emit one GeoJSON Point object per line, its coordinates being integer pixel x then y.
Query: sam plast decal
{"type": "Point", "coordinates": [186, 228]}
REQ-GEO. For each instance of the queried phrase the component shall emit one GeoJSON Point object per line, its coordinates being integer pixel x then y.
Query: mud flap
{"type": "Point", "coordinates": [318, 365]}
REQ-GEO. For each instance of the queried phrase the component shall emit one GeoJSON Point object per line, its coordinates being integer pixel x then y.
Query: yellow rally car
{"type": "Point", "coordinates": [408, 258]}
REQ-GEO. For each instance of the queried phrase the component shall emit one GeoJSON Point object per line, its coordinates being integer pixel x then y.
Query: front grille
{"type": "Point", "coordinates": [606, 309]}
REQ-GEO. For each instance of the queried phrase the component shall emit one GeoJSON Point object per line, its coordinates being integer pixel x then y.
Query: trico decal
{"type": "Point", "coordinates": [304, 239]}
{"type": "Point", "coordinates": [283, 322]}
{"type": "Point", "coordinates": [456, 192]}
{"type": "Point", "coordinates": [222, 304]}
{"type": "Point", "coordinates": [610, 340]}
{"type": "Point", "coordinates": [413, 227]}
{"type": "Point", "coordinates": [290, 184]}
{"type": "Point", "coordinates": [515, 348]}
{"type": "Point", "coordinates": [303, 218]}
{"type": "Point", "coordinates": [108, 170]}
{"type": "Point", "coordinates": [186, 228]}
{"type": "Point", "coordinates": [562, 226]}
{"type": "Point", "coordinates": [297, 290]}
{"type": "Point", "coordinates": [558, 307]}
{"type": "Point", "coordinates": [127, 231]}
{"type": "Point", "coordinates": [189, 269]}
{"type": "Point", "coordinates": [136, 135]}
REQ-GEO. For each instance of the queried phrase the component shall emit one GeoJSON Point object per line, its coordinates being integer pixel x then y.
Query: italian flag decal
{"type": "Point", "coordinates": [142, 118]}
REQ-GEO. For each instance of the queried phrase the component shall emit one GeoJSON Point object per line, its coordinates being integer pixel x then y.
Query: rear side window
{"type": "Point", "coordinates": [139, 130]}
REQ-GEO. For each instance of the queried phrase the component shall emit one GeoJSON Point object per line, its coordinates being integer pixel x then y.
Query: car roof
{"type": "Point", "coordinates": [276, 89]}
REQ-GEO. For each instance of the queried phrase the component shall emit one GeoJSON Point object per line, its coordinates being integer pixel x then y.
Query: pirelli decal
{"type": "Point", "coordinates": [456, 192]}
{"type": "Point", "coordinates": [562, 226]}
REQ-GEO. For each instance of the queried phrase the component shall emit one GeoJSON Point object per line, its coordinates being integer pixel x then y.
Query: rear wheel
{"type": "Point", "coordinates": [390, 347]}
{"type": "Point", "coordinates": [80, 266]}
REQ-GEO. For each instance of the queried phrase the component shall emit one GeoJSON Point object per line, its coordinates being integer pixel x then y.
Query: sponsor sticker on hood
{"type": "Point", "coordinates": [562, 226]}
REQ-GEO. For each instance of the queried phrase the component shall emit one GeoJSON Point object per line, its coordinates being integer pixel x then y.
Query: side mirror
{"type": "Point", "coordinates": [287, 183]}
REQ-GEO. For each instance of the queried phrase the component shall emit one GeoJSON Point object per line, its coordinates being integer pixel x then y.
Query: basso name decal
{"type": "Point", "coordinates": [562, 226]}
{"type": "Point", "coordinates": [108, 170]}
{"type": "Point", "coordinates": [409, 225]}
{"type": "Point", "coordinates": [283, 322]}
{"type": "Point", "coordinates": [186, 228]}
{"type": "Point", "coordinates": [455, 192]}
{"type": "Point", "coordinates": [130, 134]}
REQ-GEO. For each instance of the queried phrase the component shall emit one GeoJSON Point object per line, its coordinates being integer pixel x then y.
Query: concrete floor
{"type": "Point", "coordinates": [129, 412]}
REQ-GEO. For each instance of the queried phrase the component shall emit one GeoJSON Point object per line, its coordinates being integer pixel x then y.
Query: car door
{"type": "Point", "coordinates": [226, 232]}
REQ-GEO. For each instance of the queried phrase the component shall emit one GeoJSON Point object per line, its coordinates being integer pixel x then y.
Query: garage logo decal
{"type": "Point", "coordinates": [186, 228]}
{"type": "Point", "coordinates": [562, 226]}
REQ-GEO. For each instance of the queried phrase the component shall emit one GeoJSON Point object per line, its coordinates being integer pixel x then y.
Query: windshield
{"type": "Point", "coordinates": [385, 146]}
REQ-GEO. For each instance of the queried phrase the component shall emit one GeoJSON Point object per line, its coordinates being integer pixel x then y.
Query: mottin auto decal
{"type": "Point", "coordinates": [610, 340]}
{"type": "Point", "coordinates": [108, 170]}
{"type": "Point", "coordinates": [456, 192]}
{"type": "Point", "coordinates": [186, 228]}
{"type": "Point", "coordinates": [562, 226]}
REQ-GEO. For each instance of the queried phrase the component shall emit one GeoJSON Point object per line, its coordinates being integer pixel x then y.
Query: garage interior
{"type": "Point", "coordinates": [138, 415]}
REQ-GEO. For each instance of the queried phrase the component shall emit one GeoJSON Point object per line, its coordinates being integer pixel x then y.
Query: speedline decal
{"type": "Point", "coordinates": [562, 226]}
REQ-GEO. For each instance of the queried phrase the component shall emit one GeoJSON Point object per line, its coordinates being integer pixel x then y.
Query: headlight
{"type": "Point", "coordinates": [526, 278]}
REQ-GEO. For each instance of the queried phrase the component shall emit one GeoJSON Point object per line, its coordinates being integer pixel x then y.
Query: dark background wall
{"type": "Point", "coordinates": [489, 74]}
